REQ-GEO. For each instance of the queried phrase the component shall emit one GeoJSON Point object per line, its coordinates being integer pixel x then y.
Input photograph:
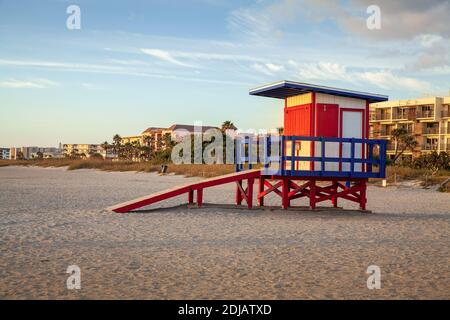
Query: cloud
{"type": "Point", "coordinates": [28, 84]}
{"type": "Point", "coordinates": [401, 19]}
{"type": "Point", "coordinates": [326, 71]}
{"type": "Point", "coordinates": [165, 56]}
{"type": "Point", "coordinates": [387, 80]}
{"type": "Point", "coordinates": [172, 56]}
{"type": "Point", "coordinates": [114, 70]}
{"type": "Point", "coordinates": [267, 68]}
{"type": "Point", "coordinates": [274, 67]}
{"type": "Point", "coordinates": [321, 71]}
{"type": "Point", "coordinates": [263, 23]}
{"type": "Point", "coordinates": [428, 40]}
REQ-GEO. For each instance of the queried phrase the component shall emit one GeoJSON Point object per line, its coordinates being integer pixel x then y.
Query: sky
{"type": "Point", "coordinates": [135, 64]}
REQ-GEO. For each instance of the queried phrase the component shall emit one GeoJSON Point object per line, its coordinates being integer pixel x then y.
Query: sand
{"type": "Point", "coordinates": [52, 218]}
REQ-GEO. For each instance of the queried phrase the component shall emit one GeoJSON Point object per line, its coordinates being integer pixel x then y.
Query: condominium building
{"type": "Point", "coordinates": [81, 149]}
{"type": "Point", "coordinates": [5, 153]}
{"type": "Point", "coordinates": [34, 152]}
{"type": "Point", "coordinates": [155, 135]}
{"type": "Point", "coordinates": [427, 119]}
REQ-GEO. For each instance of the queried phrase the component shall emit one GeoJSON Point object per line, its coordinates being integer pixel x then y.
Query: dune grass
{"type": "Point", "coordinates": [399, 174]}
{"type": "Point", "coordinates": [393, 174]}
{"type": "Point", "coordinates": [189, 170]}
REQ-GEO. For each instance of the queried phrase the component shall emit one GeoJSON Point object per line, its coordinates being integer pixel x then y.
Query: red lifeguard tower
{"type": "Point", "coordinates": [325, 140]}
{"type": "Point", "coordinates": [323, 154]}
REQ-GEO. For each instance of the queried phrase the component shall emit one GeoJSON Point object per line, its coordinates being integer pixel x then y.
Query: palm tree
{"type": "Point", "coordinates": [135, 150]}
{"type": "Point", "coordinates": [117, 142]}
{"type": "Point", "coordinates": [228, 125]}
{"type": "Point", "coordinates": [280, 131]}
{"type": "Point", "coordinates": [148, 142]}
{"type": "Point", "coordinates": [167, 141]}
{"type": "Point", "coordinates": [105, 146]}
{"type": "Point", "coordinates": [404, 141]}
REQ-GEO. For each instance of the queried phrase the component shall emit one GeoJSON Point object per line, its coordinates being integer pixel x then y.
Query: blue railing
{"type": "Point", "coordinates": [351, 157]}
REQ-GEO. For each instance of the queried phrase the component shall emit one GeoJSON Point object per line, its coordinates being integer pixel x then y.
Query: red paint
{"type": "Point", "coordinates": [327, 117]}
{"type": "Point", "coordinates": [297, 120]}
{"type": "Point", "coordinates": [199, 197]}
{"type": "Point", "coordinates": [314, 192]}
{"type": "Point", "coordinates": [198, 186]}
{"type": "Point", "coordinates": [312, 145]}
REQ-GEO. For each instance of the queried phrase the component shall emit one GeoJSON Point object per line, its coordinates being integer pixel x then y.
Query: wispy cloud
{"type": "Point", "coordinates": [28, 84]}
{"type": "Point", "coordinates": [165, 56]}
{"type": "Point", "coordinates": [267, 68]}
{"type": "Point", "coordinates": [385, 79]}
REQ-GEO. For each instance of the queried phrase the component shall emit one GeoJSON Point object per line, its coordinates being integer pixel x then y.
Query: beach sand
{"type": "Point", "coordinates": [52, 218]}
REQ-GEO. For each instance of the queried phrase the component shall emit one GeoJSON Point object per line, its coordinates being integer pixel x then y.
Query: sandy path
{"type": "Point", "coordinates": [52, 218]}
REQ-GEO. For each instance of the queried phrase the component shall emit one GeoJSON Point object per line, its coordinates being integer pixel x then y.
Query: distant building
{"type": "Point", "coordinates": [81, 149]}
{"type": "Point", "coordinates": [28, 153]}
{"type": "Point", "coordinates": [155, 135]}
{"type": "Point", "coordinates": [86, 150]}
{"type": "Point", "coordinates": [5, 154]}
{"type": "Point", "coordinates": [427, 119]}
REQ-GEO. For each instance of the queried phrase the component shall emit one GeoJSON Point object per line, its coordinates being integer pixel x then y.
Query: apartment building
{"type": "Point", "coordinates": [427, 119]}
{"type": "Point", "coordinates": [5, 153]}
{"type": "Point", "coordinates": [81, 149]}
{"type": "Point", "coordinates": [157, 134]}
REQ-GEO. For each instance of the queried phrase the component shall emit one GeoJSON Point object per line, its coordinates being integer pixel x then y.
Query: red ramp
{"type": "Point", "coordinates": [238, 177]}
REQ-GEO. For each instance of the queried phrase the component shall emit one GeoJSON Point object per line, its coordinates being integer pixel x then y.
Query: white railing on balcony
{"type": "Point", "coordinates": [425, 114]}
{"type": "Point", "coordinates": [429, 146]}
{"type": "Point", "coordinates": [433, 130]}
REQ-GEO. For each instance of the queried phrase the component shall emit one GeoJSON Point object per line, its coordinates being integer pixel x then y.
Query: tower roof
{"type": "Point", "coordinates": [284, 89]}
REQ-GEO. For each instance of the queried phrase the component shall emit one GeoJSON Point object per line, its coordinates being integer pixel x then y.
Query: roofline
{"type": "Point", "coordinates": [313, 87]}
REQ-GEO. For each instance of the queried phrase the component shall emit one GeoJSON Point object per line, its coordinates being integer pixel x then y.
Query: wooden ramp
{"type": "Point", "coordinates": [238, 177]}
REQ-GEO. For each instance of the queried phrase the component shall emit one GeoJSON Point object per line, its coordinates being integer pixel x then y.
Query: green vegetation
{"type": "Point", "coordinates": [430, 169]}
{"type": "Point", "coordinates": [404, 141]}
{"type": "Point", "coordinates": [199, 170]}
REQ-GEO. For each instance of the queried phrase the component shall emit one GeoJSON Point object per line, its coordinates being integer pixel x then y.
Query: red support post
{"type": "Point", "coordinates": [250, 183]}
{"type": "Point", "coordinates": [312, 194]}
{"type": "Point", "coordinates": [334, 190]}
{"type": "Point", "coordinates": [191, 196]}
{"type": "Point", "coordinates": [363, 199]}
{"type": "Point", "coordinates": [199, 197]}
{"type": "Point", "coordinates": [238, 192]}
{"type": "Point", "coordinates": [285, 193]}
{"type": "Point", "coordinates": [260, 191]}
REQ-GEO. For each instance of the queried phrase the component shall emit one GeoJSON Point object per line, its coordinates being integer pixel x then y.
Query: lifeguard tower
{"type": "Point", "coordinates": [323, 154]}
{"type": "Point", "coordinates": [324, 145]}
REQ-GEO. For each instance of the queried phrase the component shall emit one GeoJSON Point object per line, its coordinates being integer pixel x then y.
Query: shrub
{"type": "Point", "coordinates": [433, 161]}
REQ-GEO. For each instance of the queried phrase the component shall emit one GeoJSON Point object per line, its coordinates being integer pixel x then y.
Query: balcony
{"type": "Point", "coordinates": [385, 133]}
{"type": "Point", "coordinates": [409, 130]}
{"type": "Point", "coordinates": [425, 114]}
{"type": "Point", "coordinates": [446, 130]}
{"type": "Point", "coordinates": [429, 146]}
{"type": "Point", "coordinates": [433, 130]}
{"type": "Point", "coordinates": [390, 146]}
{"type": "Point", "coordinates": [383, 116]}
{"type": "Point", "coordinates": [445, 113]}
{"type": "Point", "coordinates": [399, 116]}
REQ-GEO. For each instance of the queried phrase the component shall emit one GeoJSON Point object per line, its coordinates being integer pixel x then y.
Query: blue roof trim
{"type": "Point", "coordinates": [284, 89]}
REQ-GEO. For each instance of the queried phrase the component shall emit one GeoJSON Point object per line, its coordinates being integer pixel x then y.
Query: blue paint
{"type": "Point", "coordinates": [268, 158]}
